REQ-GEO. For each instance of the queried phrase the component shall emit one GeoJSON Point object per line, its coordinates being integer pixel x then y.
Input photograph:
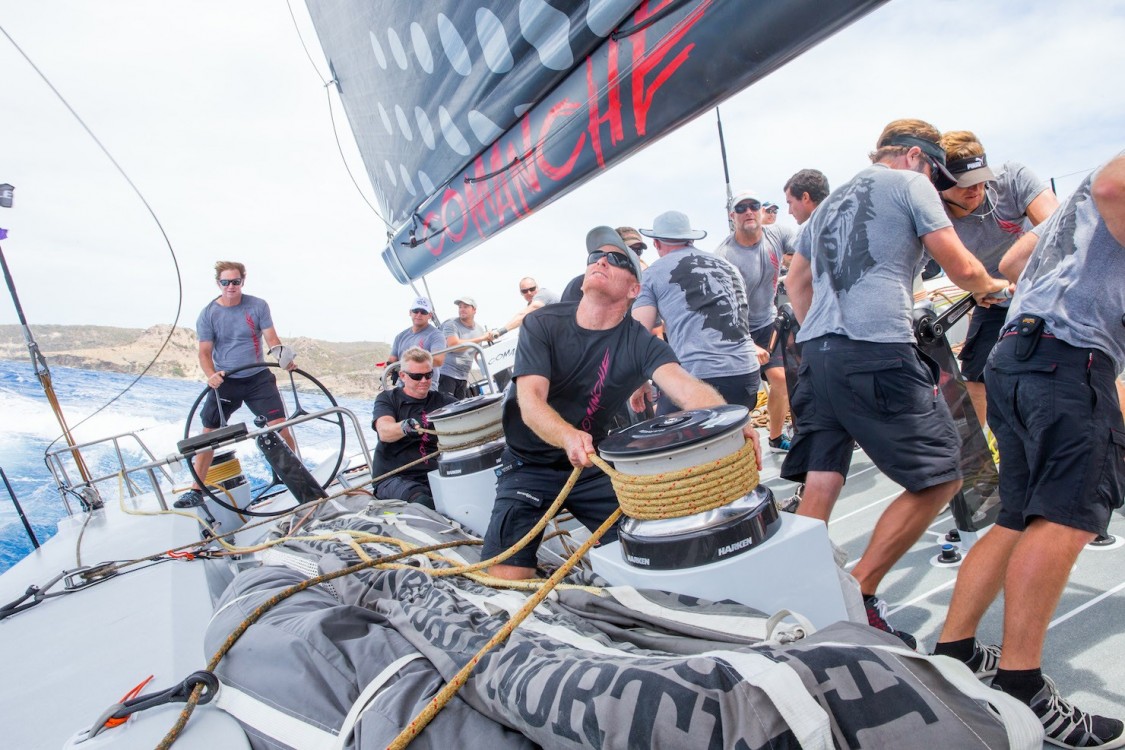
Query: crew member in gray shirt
{"type": "Point", "coordinates": [464, 329]}
{"type": "Point", "coordinates": [421, 334]}
{"type": "Point", "coordinates": [861, 378]}
{"type": "Point", "coordinates": [702, 301]}
{"type": "Point", "coordinates": [1054, 410]}
{"type": "Point", "coordinates": [990, 212]}
{"type": "Point", "coordinates": [758, 250]}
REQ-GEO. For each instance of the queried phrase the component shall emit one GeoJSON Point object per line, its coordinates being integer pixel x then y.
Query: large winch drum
{"type": "Point", "coordinates": [468, 421]}
{"type": "Point", "coordinates": [680, 441]}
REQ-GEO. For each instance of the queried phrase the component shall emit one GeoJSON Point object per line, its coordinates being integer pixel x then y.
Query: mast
{"type": "Point", "coordinates": [726, 169]}
{"type": "Point", "coordinates": [43, 373]}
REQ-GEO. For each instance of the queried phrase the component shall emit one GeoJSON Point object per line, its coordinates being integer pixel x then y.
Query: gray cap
{"type": "Point", "coordinates": [599, 237]}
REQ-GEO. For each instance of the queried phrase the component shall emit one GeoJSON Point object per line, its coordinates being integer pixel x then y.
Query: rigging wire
{"type": "Point", "coordinates": [152, 213]}
{"type": "Point", "coordinates": [328, 84]}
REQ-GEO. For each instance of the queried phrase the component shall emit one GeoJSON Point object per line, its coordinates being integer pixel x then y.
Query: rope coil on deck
{"type": "Point", "coordinates": [223, 471]}
{"type": "Point", "coordinates": [687, 491]}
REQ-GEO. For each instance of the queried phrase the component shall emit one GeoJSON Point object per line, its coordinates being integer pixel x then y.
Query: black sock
{"type": "Point", "coordinates": [961, 650]}
{"type": "Point", "coordinates": [1019, 683]}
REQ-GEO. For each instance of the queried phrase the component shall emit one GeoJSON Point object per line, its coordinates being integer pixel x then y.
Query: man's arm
{"type": "Point", "coordinates": [545, 422]}
{"type": "Point", "coordinates": [646, 316]}
{"type": "Point", "coordinates": [798, 285]}
{"type": "Point", "coordinates": [206, 349]}
{"type": "Point", "coordinates": [1041, 208]}
{"type": "Point", "coordinates": [1013, 262]}
{"type": "Point", "coordinates": [389, 429]}
{"type": "Point", "coordinates": [1108, 192]}
{"type": "Point", "coordinates": [517, 319]}
{"type": "Point", "coordinates": [691, 393]}
{"type": "Point", "coordinates": [962, 268]}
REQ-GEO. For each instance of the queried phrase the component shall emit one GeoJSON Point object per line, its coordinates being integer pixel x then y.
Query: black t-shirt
{"type": "Point", "coordinates": [591, 374]}
{"type": "Point", "coordinates": [395, 403]}
{"type": "Point", "coordinates": [573, 291]}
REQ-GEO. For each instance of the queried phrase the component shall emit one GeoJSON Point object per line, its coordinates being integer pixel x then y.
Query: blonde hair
{"type": "Point", "coordinates": [417, 354]}
{"type": "Point", "coordinates": [916, 128]}
{"type": "Point", "coordinates": [229, 265]}
{"type": "Point", "coordinates": [961, 144]}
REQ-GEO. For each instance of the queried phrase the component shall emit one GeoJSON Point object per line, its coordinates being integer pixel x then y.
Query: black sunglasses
{"type": "Point", "coordinates": [419, 310]}
{"type": "Point", "coordinates": [529, 290]}
{"type": "Point", "coordinates": [745, 206]}
{"type": "Point", "coordinates": [229, 282]}
{"type": "Point", "coordinates": [614, 259]}
{"type": "Point", "coordinates": [771, 210]}
{"type": "Point", "coordinates": [429, 375]}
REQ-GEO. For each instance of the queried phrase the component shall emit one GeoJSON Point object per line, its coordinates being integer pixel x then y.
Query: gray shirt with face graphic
{"type": "Point", "coordinates": [1001, 219]}
{"type": "Point", "coordinates": [864, 245]}
{"type": "Point", "coordinates": [1075, 278]}
{"type": "Point", "coordinates": [760, 265]}
{"type": "Point", "coordinates": [702, 301]}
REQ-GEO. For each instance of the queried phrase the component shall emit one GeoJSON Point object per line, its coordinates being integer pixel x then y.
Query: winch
{"type": "Point", "coordinates": [471, 439]}
{"type": "Point", "coordinates": [742, 550]}
{"type": "Point", "coordinates": [678, 441]}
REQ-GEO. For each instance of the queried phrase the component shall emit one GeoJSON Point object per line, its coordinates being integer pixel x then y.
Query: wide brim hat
{"type": "Point", "coordinates": [673, 225]}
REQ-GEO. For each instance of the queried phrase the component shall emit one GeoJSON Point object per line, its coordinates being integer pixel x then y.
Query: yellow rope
{"type": "Point", "coordinates": [223, 471]}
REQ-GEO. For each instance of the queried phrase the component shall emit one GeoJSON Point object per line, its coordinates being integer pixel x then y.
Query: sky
{"type": "Point", "coordinates": [216, 114]}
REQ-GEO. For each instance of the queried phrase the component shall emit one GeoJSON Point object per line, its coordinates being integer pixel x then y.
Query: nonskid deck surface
{"type": "Point", "coordinates": [1085, 650]}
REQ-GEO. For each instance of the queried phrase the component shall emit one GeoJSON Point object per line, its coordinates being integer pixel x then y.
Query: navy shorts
{"type": "Point", "coordinates": [259, 392]}
{"type": "Point", "coordinates": [984, 329]}
{"type": "Point", "coordinates": [1058, 426]}
{"type": "Point", "coordinates": [762, 338]}
{"type": "Point", "coordinates": [882, 396]}
{"type": "Point", "coordinates": [524, 492]}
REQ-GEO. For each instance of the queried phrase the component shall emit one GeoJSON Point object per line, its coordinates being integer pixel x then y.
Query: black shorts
{"type": "Point", "coordinates": [409, 489]}
{"type": "Point", "coordinates": [984, 329]}
{"type": "Point", "coordinates": [762, 338]}
{"type": "Point", "coordinates": [259, 392]}
{"type": "Point", "coordinates": [1058, 426]}
{"type": "Point", "coordinates": [455, 387]}
{"type": "Point", "coordinates": [882, 396]}
{"type": "Point", "coordinates": [524, 491]}
{"type": "Point", "coordinates": [735, 389]}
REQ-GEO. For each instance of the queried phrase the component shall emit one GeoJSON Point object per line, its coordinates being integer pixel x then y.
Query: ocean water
{"type": "Point", "coordinates": [155, 409]}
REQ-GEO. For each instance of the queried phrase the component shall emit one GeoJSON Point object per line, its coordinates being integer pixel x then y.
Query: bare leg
{"type": "Point", "coordinates": [778, 403]}
{"type": "Point", "coordinates": [511, 572]}
{"type": "Point", "coordinates": [901, 525]}
{"type": "Point", "coordinates": [822, 490]}
{"type": "Point", "coordinates": [980, 401]}
{"type": "Point", "coordinates": [1037, 574]}
{"type": "Point", "coordinates": [202, 462]}
{"type": "Point", "coordinates": [978, 582]}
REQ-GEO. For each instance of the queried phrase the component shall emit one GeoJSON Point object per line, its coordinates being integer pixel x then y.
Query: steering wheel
{"type": "Point", "coordinates": [295, 409]}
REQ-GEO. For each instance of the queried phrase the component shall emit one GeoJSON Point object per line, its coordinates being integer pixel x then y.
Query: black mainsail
{"type": "Point", "coordinates": [469, 116]}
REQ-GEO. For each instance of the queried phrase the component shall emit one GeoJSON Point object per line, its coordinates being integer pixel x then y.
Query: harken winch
{"type": "Point", "coordinates": [672, 443]}
{"type": "Point", "coordinates": [471, 439]}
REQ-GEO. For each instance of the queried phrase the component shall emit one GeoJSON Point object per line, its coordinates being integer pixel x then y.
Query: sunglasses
{"type": "Point", "coordinates": [614, 259]}
{"type": "Point", "coordinates": [771, 210]}
{"type": "Point", "coordinates": [229, 282]}
{"type": "Point", "coordinates": [529, 290]}
{"type": "Point", "coordinates": [429, 375]}
{"type": "Point", "coordinates": [745, 206]}
{"type": "Point", "coordinates": [419, 311]}
{"type": "Point", "coordinates": [638, 247]}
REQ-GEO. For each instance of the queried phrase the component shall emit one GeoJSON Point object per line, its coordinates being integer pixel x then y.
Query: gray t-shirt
{"type": "Point", "coordinates": [702, 300]}
{"type": "Point", "coordinates": [429, 338]}
{"type": "Point", "coordinates": [546, 296]}
{"type": "Point", "coordinates": [459, 364]}
{"type": "Point", "coordinates": [1001, 219]}
{"type": "Point", "coordinates": [864, 244]}
{"type": "Point", "coordinates": [235, 333]}
{"type": "Point", "coordinates": [1075, 278]}
{"type": "Point", "coordinates": [760, 265]}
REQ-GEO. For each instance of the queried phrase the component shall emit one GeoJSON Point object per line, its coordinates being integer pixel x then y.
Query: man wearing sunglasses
{"type": "Point", "coordinates": [236, 329]}
{"type": "Point", "coordinates": [769, 213]}
{"type": "Point", "coordinates": [576, 363]}
{"type": "Point", "coordinates": [398, 417]}
{"type": "Point", "coordinates": [758, 251]}
{"type": "Point", "coordinates": [535, 295]}
{"type": "Point", "coordinates": [636, 243]}
{"type": "Point", "coordinates": [702, 302]}
{"type": "Point", "coordinates": [421, 334]}
{"type": "Point", "coordinates": [851, 284]}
